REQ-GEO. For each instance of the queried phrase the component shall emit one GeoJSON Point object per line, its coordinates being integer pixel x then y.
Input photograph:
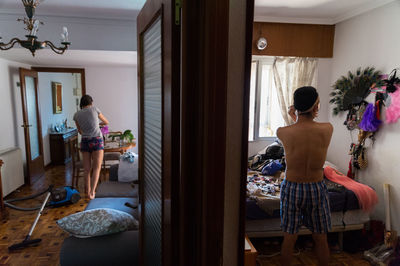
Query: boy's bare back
{"type": "Point", "coordinates": [306, 145]}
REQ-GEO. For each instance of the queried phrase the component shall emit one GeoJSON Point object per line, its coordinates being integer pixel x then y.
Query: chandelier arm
{"type": "Point", "coordinates": [58, 50]}
{"type": "Point", "coordinates": [32, 25]}
{"type": "Point", "coordinates": [7, 46]}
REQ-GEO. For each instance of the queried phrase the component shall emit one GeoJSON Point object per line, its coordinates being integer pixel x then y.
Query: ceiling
{"type": "Point", "coordinates": [72, 58]}
{"type": "Point", "coordinates": [312, 11]}
{"type": "Point", "coordinates": [294, 11]}
{"type": "Point", "coordinates": [116, 9]}
{"type": "Point", "coordinates": [300, 11]}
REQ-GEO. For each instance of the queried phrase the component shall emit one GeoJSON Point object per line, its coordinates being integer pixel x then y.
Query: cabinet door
{"type": "Point", "coordinates": [57, 149]}
{"type": "Point", "coordinates": [67, 150]}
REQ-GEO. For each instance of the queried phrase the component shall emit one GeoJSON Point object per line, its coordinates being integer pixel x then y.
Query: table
{"type": "Point", "coordinates": [61, 145]}
{"type": "Point", "coordinates": [116, 147]}
{"type": "Point", "coordinates": [250, 253]}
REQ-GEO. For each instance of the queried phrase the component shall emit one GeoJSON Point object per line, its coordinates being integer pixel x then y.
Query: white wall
{"type": "Point", "coordinates": [324, 70]}
{"type": "Point", "coordinates": [12, 134]}
{"type": "Point", "coordinates": [256, 146]}
{"type": "Point", "coordinates": [114, 92]}
{"type": "Point", "coordinates": [370, 39]}
{"type": "Point", "coordinates": [324, 87]}
{"type": "Point", "coordinates": [85, 33]}
{"type": "Point", "coordinates": [46, 105]}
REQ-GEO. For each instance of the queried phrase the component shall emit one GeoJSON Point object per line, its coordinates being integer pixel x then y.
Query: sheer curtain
{"type": "Point", "coordinates": [291, 73]}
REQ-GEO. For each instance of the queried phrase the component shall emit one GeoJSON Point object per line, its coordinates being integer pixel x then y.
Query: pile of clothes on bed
{"type": "Point", "coordinates": [264, 191]}
{"type": "Point", "coordinates": [268, 161]}
{"type": "Point", "coordinates": [266, 172]}
{"type": "Point", "coordinates": [264, 177]}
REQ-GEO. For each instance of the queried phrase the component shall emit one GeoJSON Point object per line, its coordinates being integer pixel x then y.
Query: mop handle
{"type": "Point", "coordinates": [386, 196]}
{"type": "Point", "coordinates": [39, 213]}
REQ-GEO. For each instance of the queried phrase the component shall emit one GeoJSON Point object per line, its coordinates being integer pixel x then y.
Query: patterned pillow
{"type": "Point", "coordinates": [97, 222]}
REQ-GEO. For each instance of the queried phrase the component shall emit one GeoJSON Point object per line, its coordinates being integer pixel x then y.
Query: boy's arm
{"type": "Point", "coordinates": [292, 113]}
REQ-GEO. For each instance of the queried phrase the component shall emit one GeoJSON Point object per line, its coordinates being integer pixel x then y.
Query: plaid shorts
{"type": "Point", "coordinates": [305, 204]}
{"type": "Point", "coordinates": [92, 144]}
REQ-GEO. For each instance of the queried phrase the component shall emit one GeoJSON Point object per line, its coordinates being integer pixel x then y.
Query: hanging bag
{"type": "Point", "coordinates": [362, 158]}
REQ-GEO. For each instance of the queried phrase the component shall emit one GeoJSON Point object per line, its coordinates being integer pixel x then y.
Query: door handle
{"type": "Point", "coordinates": [26, 126]}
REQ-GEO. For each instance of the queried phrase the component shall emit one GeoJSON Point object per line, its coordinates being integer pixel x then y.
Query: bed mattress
{"type": "Point", "coordinates": [338, 201]}
{"type": "Point", "coordinates": [351, 217]}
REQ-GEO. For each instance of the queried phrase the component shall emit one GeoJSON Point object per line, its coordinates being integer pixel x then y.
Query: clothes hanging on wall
{"type": "Point", "coordinates": [369, 121]}
{"type": "Point", "coordinates": [393, 111]}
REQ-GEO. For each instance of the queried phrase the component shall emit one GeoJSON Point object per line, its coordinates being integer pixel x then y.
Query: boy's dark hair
{"type": "Point", "coordinates": [85, 101]}
{"type": "Point", "coordinates": [304, 98]}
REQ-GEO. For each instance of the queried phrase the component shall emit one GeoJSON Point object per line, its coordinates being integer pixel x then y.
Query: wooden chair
{"type": "Point", "coordinates": [110, 158]}
{"type": "Point", "coordinates": [77, 164]}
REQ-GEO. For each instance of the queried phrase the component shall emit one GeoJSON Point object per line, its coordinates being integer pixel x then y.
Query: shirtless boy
{"type": "Point", "coordinates": [304, 196]}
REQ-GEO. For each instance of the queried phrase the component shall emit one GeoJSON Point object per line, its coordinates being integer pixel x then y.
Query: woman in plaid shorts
{"type": "Point", "coordinates": [304, 196]}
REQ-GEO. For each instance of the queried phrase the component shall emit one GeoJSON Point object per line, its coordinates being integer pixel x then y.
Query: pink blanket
{"type": "Point", "coordinates": [366, 196]}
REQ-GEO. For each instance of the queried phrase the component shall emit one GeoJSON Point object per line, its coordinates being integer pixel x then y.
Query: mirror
{"type": "Point", "coordinates": [57, 97]}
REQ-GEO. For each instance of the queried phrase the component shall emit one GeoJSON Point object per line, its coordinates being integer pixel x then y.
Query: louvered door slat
{"type": "Point", "coordinates": [152, 144]}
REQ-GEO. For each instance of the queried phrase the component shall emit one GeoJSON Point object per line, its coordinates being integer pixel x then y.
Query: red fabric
{"type": "Point", "coordinates": [366, 196]}
{"type": "Point", "coordinates": [378, 110]}
{"type": "Point", "coordinates": [350, 172]}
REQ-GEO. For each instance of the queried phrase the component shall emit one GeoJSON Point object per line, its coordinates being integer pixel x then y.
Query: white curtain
{"type": "Point", "coordinates": [291, 73]}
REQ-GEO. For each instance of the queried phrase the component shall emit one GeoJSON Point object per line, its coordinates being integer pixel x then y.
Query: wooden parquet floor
{"type": "Point", "coordinates": [304, 256]}
{"type": "Point", "coordinates": [15, 225]}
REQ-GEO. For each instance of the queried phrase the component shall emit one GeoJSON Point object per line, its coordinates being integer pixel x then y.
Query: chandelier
{"type": "Point", "coordinates": [32, 26]}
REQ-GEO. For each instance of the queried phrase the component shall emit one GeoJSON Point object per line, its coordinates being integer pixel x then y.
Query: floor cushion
{"type": "Point", "coordinates": [116, 249]}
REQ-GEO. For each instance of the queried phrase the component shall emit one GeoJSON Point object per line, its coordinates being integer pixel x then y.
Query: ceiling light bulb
{"type": "Point", "coordinates": [262, 43]}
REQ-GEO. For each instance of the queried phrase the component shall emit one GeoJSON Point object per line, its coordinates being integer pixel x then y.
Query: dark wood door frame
{"type": "Point", "coordinates": [65, 70]}
{"type": "Point", "coordinates": [194, 132]}
{"type": "Point", "coordinates": [170, 121]}
{"type": "Point", "coordinates": [204, 86]}
{"type": "Point", "coordinates": [245, 126]}
{"type": "Point", "coordinates": [1, 190]}
{"type": "Point", "coordinates": [205, 45]}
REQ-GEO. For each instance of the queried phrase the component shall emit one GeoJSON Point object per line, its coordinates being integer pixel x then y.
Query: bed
{"type": "Point", "coordinates": [263, 213]}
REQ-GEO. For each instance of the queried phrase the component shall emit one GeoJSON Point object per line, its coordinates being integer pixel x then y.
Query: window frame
{"type": "Point", "coordinates": [260, 61]}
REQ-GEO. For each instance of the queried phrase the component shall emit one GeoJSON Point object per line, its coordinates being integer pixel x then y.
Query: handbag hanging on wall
{"type": "Point", "coordinates": [362, 158]}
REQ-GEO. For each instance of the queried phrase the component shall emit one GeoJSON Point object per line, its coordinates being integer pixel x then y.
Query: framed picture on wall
{"type": "Point", "coordinates": [57, 97]}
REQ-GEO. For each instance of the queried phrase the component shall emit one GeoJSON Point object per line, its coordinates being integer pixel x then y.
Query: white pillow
{"type": "Point", "coordinates": [97, 222]}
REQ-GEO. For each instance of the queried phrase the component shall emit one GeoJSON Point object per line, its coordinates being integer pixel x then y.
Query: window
{"type": "Point", "coordinates": [265, 113]}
